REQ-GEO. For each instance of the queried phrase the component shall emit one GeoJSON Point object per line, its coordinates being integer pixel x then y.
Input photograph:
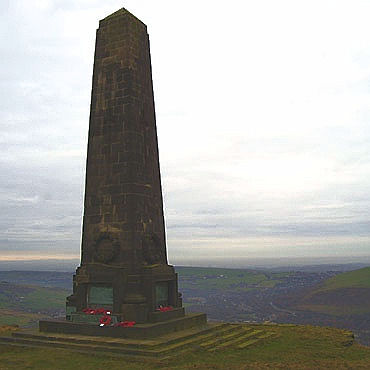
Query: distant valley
{"type": "Point", "coordinates": [316, 296]}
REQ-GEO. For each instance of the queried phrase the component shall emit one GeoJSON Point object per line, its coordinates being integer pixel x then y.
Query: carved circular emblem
{"type": "Point", "coordinates": [152, 249]}
{"type": "Point", "coordinates": [106, 248]}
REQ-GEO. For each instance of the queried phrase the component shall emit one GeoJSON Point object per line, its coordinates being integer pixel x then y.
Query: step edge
{"type": "Point", "coordinates": [62, 345]}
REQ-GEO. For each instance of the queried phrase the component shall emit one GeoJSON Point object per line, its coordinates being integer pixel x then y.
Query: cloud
{"type": "Point", "coordinates": [262, 113]}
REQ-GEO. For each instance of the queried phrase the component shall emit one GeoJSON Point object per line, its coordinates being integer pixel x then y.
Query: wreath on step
{"type": "Point", "coordinates": [106, 318]}
{"type": "Point", "coordinates": [165, 308]}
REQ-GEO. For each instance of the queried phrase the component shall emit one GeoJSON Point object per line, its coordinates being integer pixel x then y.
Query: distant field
{"type": "Point", "coordinates": [24, 305]}
{"type": "Point", "coordinates": [10, 317]}
{"type": "Point", "coordinates": [53, 279]}
{"type": "Point", "coordinates": [31, 298]}
{"type": "Point", "coordinates": [221, 279]}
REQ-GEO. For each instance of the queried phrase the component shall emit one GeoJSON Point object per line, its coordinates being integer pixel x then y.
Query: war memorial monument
{"type": "Point", "coordinates": [124, 268]}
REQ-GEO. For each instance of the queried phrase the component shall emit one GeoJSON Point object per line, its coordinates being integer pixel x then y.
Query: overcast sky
{"type": "Point", "coordinates": [263, 114]}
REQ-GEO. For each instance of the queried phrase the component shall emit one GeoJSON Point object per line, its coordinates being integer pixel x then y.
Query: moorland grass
{"type": "Point", "coordinates": [293, 347]}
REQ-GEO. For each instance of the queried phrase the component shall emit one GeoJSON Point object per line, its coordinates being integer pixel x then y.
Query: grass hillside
{"type": "Point", "coordinates": [292, 347]}
{"type": "Point", "coordinates": [351, 279]}
{"type": "Point", "coordinates": [345, 294]}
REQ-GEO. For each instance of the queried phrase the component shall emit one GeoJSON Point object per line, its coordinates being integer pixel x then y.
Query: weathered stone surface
{"type": "Point", "coordinates": [123, 199]}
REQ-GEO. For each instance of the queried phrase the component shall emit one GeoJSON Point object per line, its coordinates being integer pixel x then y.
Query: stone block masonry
{"type": "Point", "coordinates": [123, 198]}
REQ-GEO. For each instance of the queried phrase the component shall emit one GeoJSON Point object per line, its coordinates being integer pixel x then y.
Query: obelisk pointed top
{"type": "Point", "coordinates": [121, 11]}
{"type": "Point", "coordinates": [118, 13]}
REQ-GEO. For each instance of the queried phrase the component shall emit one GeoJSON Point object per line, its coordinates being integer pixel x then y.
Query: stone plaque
{"type": "Point", "coordinates": [161, 293]}
{"type": "Point", "coordinates": [101, 296]}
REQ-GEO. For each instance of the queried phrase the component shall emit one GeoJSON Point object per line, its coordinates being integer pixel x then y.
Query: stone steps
{"type": "Point", "coordinates": [194, 334]}
{"type": "Point", "coordinates": [212, 337]}
{"type": "Point", "coordinates": [235, 331]}
{"type": "Point", "coordinates": [232, 341]}
{"type": "Point", "coordinates": [87, 340]}
{"type": "Point", "coordinates": [197, 341]}
{"type": "Point", "coordinates": [119, 342]}
{"type": "Point", "coordinates": [190, 335]}
{"type": "Point", "coordinates": [149, 348]}
{"type": "Point", "coordinates": [258, 339]}
{"type": "Point", "coordinates": [248, 343]}
{"type": "Point", "coordinates": [88, 349]}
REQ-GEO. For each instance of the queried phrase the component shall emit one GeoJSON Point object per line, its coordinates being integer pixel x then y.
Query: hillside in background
{"type": "Point", "coordinates": [344, 294]}
{"type": "Point", "coordinates": [352, 279]}
{"type": "Point", "coordinates": [25, 305]}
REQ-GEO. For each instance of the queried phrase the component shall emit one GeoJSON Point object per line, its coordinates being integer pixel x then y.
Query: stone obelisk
{"type": "Point", "coordinates": [124, 263]}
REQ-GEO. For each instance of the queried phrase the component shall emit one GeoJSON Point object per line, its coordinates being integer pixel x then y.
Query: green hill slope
{"type": "Point", "coordinates": [351, 279]}
{"type": "Point", "coordinates": [344, 294]}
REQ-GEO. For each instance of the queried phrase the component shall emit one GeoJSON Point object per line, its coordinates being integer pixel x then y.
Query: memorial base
{"type": "Point", "coordinates": [139, 331]}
